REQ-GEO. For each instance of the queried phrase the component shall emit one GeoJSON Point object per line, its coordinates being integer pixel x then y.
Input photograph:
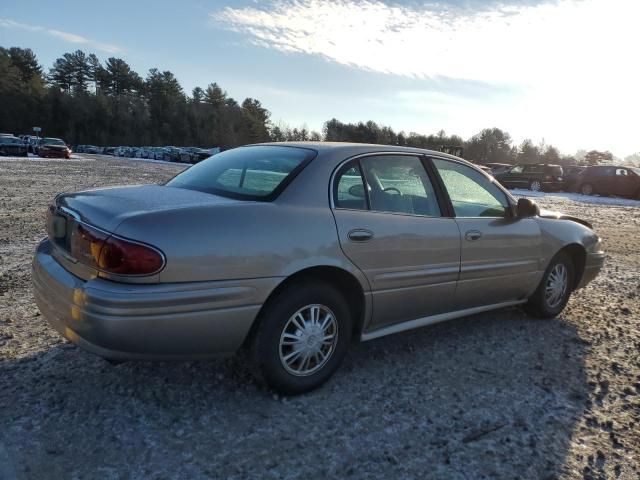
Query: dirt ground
{"type": "Point", "coordinates": [496, 395]}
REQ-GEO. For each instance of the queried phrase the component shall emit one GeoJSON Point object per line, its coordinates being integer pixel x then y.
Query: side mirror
{"type": "Point", "coordinates": [527, 208]}
{"type": "Point", "coordinates": [357, 191]}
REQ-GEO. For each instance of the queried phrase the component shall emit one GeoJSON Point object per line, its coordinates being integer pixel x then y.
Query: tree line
{"type": "Point", "coordinates": [86, 101]}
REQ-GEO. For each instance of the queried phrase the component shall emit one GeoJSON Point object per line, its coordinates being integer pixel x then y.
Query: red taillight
{"type": "Point", "coordinates": [86, 243]}
{"type": "Point", "coordinates": [123, 257]}
{"type": "Point", "coordinates": [112, 254]}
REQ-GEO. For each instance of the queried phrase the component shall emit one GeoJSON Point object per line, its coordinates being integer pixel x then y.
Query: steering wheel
{"type": "Point", "coordinates": [392, 189]}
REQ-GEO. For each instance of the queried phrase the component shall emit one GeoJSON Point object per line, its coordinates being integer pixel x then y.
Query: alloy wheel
{"type": "Point", "coordinates": [308, 340]}
{"type": "Point", "coordinates": [536, 186]}
{"type": "Point", "coordinates": [557, 284]}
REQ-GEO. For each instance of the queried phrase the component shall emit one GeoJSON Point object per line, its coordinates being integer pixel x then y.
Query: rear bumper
{"type": "Point", "coordinates": [138, 321]}
{"type": "Point", "coordinates": [593, 264]}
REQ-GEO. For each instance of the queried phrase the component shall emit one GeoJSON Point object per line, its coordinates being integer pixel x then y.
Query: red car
{"type": "Point", "coordinates": [53, 148]}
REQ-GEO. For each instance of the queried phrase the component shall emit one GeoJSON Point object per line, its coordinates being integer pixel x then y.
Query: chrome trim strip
{"type": "Point", "coordinates": [424, 321]}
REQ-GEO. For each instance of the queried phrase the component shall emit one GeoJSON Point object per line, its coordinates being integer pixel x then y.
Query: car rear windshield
{"type": "Point", "coordinates": [258, 172]}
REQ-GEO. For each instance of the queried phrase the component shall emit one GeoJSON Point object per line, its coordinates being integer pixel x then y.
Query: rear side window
{"type": "Point", "coordinates": [399, 184]}
{"type": "Point", "coordinates": [258, 172]}
{"type": "Point", "coordinates": [349, 188]}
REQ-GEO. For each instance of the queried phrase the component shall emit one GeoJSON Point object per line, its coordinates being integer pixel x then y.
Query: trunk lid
{"type": "Point", "coordinates": [106, 208]}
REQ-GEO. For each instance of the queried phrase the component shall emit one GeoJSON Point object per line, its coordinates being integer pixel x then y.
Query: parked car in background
{"type": "Point", "coordinates": [194, 154]}
{"type": "Point", "coordinates": [31, 141]}
{"type": "Point", "coordinates": [609, 180]}
{"type": "Point", "coordinates": [12, 146]}
{"type": "Point", "coordinates": [534, 176]}
{"type": "Point", "coordinates": [570, 174]}
{"type": "Point", "coordinates": [172, 154]}
{"type": "Point", "coordinates": [485, 169]}
{"type": "Point", "coordinates": [92, 149]}
{"type": "Point", "coordinates": [108, 150]}
{"type": "Point", "coordinates": [53, 148]}
{"type": "Point", "coordinates": [363, 241]}
{"type": "Point", "coordinates": [498, 167]}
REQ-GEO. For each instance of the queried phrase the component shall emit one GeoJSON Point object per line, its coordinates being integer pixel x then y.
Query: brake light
{"type": "Point", "coordinates": [111, 254]}
{"type": "Point", "coordinates": [124, 257]}
{"type": "Point", "coordinates": [86, 243]}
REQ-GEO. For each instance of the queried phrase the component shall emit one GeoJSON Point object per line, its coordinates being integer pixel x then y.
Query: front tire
{"type": "Point", "coordinates": [554, 290]}
{"type": "Point", "coordinates": [302, 337]}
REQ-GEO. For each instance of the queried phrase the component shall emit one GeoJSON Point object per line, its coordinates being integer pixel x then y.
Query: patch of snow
{"type": "Point", "coordinates": [577, 197]}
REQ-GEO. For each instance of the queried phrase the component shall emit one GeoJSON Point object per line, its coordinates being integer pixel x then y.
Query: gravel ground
{"type": "Point", "coordinates": [496, 395]}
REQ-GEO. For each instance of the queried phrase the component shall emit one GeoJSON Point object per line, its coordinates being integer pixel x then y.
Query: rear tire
{"type": "Point", "coordinates": [554, 290]}
{"type": "Point", "coordinates": [587, 189]}
{"type": "Point", "coordinates": [294, 360]}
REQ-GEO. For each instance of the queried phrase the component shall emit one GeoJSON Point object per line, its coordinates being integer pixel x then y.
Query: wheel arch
{"type": "Point", "coordinates": [578, 255]}
{"type": "Point", "coordinates": [347, 284]}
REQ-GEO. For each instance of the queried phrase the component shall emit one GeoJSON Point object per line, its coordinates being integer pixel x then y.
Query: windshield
{"type": "Point", "coordinates": [635, 170]}
{"type": "Point", "coordinates": [52, 141]}
{"type": "Point", "coordinates": [251, 173]}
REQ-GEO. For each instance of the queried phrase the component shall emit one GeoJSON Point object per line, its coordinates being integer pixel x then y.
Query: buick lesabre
{"type": "Point", "coordinates": [295, 250]}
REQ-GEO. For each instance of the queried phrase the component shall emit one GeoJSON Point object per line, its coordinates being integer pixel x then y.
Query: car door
{"type": "Point", "coordinates": [500, 258]}
{"type": "Point", "coordinates": [625, 183]}
{"type": "Point", "coordinates": [605, 180]}
{"type": "Point", "coordinates": [390, 225]}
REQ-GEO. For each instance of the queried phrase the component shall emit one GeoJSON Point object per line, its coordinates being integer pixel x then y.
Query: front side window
{"type": "Point", "coordinates": [248, 173]}
{"type": "Point", "coordinates": [399, 184]}
{"type": "Point", "coordinates": [471, 193]}
{"type": "Point", "coordinates": [621, 172]}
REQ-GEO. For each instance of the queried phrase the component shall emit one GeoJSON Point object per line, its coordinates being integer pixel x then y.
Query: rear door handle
{"type": "Point", "coordinates": [473, 235]}
{"type": "Point", "coordinates": [360, 235]}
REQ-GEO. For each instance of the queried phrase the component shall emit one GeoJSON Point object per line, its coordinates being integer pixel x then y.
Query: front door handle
{"type": "Point", "coordinates": [360, 235]}
{"type": "Point", "coordinates": [473, 235]}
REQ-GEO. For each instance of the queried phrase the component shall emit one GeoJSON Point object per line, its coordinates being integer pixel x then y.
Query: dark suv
{"type": "Point", "coordinates": [609, 180]}
{"type": "Point", "coordinates": [535, 176]}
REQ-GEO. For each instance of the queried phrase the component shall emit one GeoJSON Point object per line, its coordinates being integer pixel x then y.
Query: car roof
{"type": "Point", "coordinates": [351, 148]}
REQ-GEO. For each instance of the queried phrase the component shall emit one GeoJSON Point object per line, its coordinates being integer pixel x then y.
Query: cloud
{"type": "Point", "coordinates": [571, 60]}
{"type": "Point", "coordinates": [66, 36]}
{"type": "Point", "coordinates": [504, 44]}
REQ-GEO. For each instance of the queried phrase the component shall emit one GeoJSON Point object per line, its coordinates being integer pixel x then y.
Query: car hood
{"type": "Point", "coordinates": [561, 216]}
{"type": "Point", "coordinates": [106, 208]}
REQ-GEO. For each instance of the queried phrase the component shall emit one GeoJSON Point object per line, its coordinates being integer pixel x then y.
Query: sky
{"type": "Point", "coordinates": [565, 72]}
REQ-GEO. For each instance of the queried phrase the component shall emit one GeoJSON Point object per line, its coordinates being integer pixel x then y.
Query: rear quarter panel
{"type": "Point", "coordinates": [243, 240]}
